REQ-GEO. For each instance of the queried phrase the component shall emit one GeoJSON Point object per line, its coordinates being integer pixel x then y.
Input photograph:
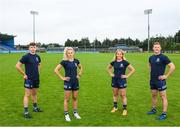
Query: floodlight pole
{"type": "Point", "coordinates": [147, 12]}
{"type": "Point", "coordinates": [34, 13]}
{"type": "Point", "coordinates": [95, 44]}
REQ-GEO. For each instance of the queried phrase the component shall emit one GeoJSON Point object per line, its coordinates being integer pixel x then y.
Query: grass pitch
{"type": "Point", "coordinates": [95, 95]}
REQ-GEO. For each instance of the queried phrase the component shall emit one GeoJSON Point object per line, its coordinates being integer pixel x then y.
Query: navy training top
{"type": "Point", "coordinates": [31, 63]}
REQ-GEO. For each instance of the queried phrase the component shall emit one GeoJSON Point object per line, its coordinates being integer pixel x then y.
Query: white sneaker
{"type": "Point", "coordinates": [76, 115]}
{"type": "Point", "coordinates": [67, 118]}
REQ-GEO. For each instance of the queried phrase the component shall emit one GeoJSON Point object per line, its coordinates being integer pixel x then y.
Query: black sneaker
{"type": "Point", "coordinates": [37, 110]}
{"type": "Point", "coordinates": [27, 116]}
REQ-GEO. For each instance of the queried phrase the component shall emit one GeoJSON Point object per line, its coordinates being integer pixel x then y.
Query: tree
{"type": "Point", "coordinates": [69, 43]}
{"type": "Point", "coordinates": [96, 43]}
{"type": "Point", "coordinates": [106, 43]}
{"type": "Point", "coordinates": [84, 42]}
{"type": "Point", "coordinates": [177, 37]}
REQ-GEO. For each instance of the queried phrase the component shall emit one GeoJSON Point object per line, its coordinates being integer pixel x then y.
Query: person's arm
{"type": "Point", "coordinates": [131, 71]}
{"type": "Point", "coordinates": [19, 68]}
{"type": "Point", "coordinates": [39, 67]}
{"type": "Point", "coordinates": [149, 67]}
{"type": "Point", "coordinates": [56, 71]}
{"type": "Point", "coordinates": [110, 69]}
{"type": "Point", "coordinates": [170, 71]}
{"type": "Point", "coordinates": [80, 71]}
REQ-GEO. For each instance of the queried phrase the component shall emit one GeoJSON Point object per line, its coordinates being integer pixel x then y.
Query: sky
{"type": "Point", "coordinates": [58, 20]}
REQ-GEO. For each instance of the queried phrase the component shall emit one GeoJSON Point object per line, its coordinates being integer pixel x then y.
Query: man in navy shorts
{"type": "Point", "coordinates": [31, 77]}
{"type": "Point", "coordinates": [157, 64]}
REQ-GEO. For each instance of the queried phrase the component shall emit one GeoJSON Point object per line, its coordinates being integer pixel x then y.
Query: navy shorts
{"type": "Point", "coordinates": [71, 85]}
{"type": "Point", "coordinates": [158, 85]}
{"type": "Point", "coordinates": [28, 83]}
{"type": "Point", "coordinates": [119, 83]}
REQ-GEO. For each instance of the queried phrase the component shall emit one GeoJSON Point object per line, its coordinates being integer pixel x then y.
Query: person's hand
{"type": "Point", "coordinates": [25, 77]}
{"type": "Point", "coordinates": [162, 77]}
{"type": "Point", "coordinates": [124, 76]}
{"type": "Point", "coordinates": [112, 75]}
{"type": "Point", "coordinates": [78, 76]}
{"type": "Point", "coordinates": [66, 78]}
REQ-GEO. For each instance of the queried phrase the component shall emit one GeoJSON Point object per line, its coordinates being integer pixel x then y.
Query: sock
{"type": "Point", "coordinates": [153, 109]}
{"type": "Point", "coordinates": [34, 105]}
{"type": "Point", "coordinates": [115, 105]}
{"type": "Point", "coordinates": [25, 110]}
{"type": "Point", "coordinates": [74, 110]}
{"type": "Point", "coordinates": [164, 113]}
{"type": "Point", "coordinates": [66, 113]}
{"type": "Point", "coordinates": [124, 107]}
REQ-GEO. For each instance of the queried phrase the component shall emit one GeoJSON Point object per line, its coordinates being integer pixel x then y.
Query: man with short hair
{"type": "Point", "coordinates": [157, 64]}
{"type": "Point", "coordinates": [31, 77]}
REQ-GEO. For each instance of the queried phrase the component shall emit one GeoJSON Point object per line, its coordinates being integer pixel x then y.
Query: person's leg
{"type": "Point", "coordinates": [123, 97]}
{"type": "Point", "coordinates": [75, 104]}
{"type": "Point", "coordinates": [66, 99]}
{"type": "Point", "coordinates": [115, 99]}
{"type": "Point", "coordinates": [67, 94]}
{"type": "Point", "coordinates": [124, 101]}
{"type": "Point", "coordinates": [154, 94]}
{"type": "Point", "coordinates": [34, 100]}
{"type": "Point", "coordinates": [74, 97]}
{"type": "Point", "coordinates": [34, 96]}
{"type": "Point", "coordinates": [164, 104]}
{"type": "Point", "coordinates": [26, 102]}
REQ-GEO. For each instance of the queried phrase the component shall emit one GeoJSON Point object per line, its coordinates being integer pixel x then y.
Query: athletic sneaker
{"type": "Point", "coordinates": [37, 110]}
{"type": "Point", "coordinates": [76, 115]}
{"type": "Point", "coordinates": [114, 110]}
{"type": "Point", "coordinates": [153, 111]}
{"type": "Point", "coordinates": [162, 117]}
{"type": "Point", "coordinates": [67, 118]}
{"type": "Point", "coordinates": [27, 116]}
{"type": "Point", "coordinates": [124, 113]}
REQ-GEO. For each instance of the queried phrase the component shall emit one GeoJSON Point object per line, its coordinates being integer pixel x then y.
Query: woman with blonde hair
{"type": "Point", "coordinates": [119, 83]}
{"type": "Point", "coordinates": [71, 80]}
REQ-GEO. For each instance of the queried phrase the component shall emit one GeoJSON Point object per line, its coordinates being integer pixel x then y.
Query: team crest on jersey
{"type": "Point", "coordinates": [121, 65]}
{"type": "Point", "coordinates": [76, 64]}
{"type": "Point", "coordinates": [37, 59]}
{"type": "Point", "coordinates": [158, 60]}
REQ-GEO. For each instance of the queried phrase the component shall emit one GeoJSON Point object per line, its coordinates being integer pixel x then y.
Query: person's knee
{"type": "Point", "coordinates": [34, 94]}
{"type": "Point", "coordinates": [66, 100]}
{"type": "Point", "coordinates": [154, 95]}
{"type": "Point", "coordinates": [163, 97]}
{"type": "Point", "coordinates": [27, 94]}
{"type": "Point", "coordinates": [123, 95]}
{"type": "Point", "coordinates": [115, 94]}
{"type": "Point", "coordinates": [74, 98]}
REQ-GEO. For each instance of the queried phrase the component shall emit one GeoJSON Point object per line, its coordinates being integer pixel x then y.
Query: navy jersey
{"type": "Point", "coordinates": [31, 63]}
{"type": "Point", "coordinates": [158, 65]}
{"type": "Point", "coordinates": [119, 67]}
{"type": "Point", "coordinates": [70, 68]}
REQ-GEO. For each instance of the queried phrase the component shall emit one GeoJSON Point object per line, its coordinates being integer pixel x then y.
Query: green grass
{"type": "Point", "coordinates": [95, 95]}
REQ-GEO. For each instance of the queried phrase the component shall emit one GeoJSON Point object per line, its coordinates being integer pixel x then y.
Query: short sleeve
{"type": "Point", "coordinates": [77, 61]}
{"type": "Point", "coordinates": [127, 63]}
{"type": "Point", "coordinates": [112, 63]}
{"type": "Point", "coordinates": [39, 59]}
{"type": "Point", "coordinates": [149, 59]}
{"type": "Point", "coordinates": [166, 60]}
{"type": "Point", "coordinates": [62, 63]}
{"type": "Point", "coordinates": [24, 59]}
